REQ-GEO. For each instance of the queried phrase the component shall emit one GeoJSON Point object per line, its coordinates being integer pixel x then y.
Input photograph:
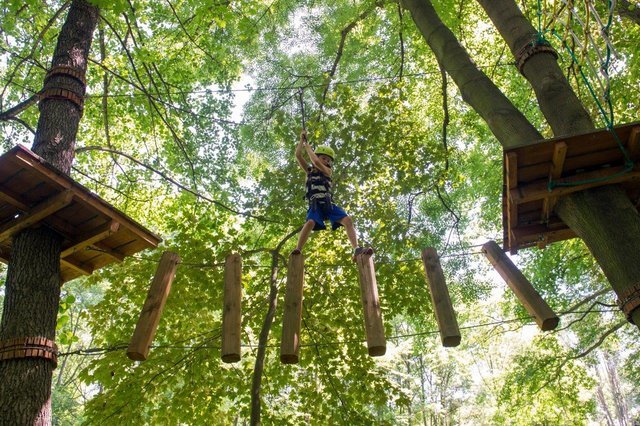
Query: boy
{"type": "Point", "coordinates": [321, 205]}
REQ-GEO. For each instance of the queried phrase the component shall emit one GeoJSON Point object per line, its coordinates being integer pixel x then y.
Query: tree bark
{"type": "Point", "coordinates": [33, 277]}
{"type": "Point", "coordinates": [561, 107]}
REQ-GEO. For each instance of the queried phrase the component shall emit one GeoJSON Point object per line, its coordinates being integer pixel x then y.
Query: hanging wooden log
{"type": "Point", "coordinates": [442, 306]}
{"type": "Point", "coordinates": [522, 288]}
{"type": "Point", "coordinates": [376, 342]}
{"type": "Point", "coordinates": [232, 311]}
{"type": "Point", "coordinates": [138, 349]}
{"type": "Point", "coordinates": [292, 317]}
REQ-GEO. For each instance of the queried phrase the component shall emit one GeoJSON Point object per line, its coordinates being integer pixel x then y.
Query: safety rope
{"type": "Point", "coordinates": [603, 103]}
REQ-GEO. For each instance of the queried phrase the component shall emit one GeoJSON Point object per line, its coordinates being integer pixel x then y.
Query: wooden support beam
{"type": "Point", "coordinates": [539, 190]}
{"type": "Point", "coordinates": [376, 342]}
{"type": "Point", "coordinates": [12, 199]}
{"type": "Point", "coordinates": [232, 311]}
{"type": "Point", "coordinates": [28, 158]}
{"type": "Point", "coordinates": [440, 299]}
{"type": "Point", "coordinates": [145, 331]}
{"type": "Point", "coordinates": [555, 171]}
{"type": "Point", "coordinates": [292, 316]}
{"type": "Point", "coordinates": [84, 270]}
{"type": "Point", "coordinates": [633, 145]}
{"type": "Point", "coordinates": [522, 288]}
{"type": "Point", "coordinates": [35, 215]}
{"type": "Point", "coordinates": [87, 240]}
{"type": "Point", "coordinates": [511, 165]}
{"type": "Point", "coordinates": [119, 257]}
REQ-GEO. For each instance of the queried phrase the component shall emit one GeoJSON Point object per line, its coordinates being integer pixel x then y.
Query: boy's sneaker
{"type": "Point", "coordinates": [367, 251]}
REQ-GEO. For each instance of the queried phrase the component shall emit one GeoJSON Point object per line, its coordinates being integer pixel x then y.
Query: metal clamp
{"type": "Point", "coordinates": [29, 347]}
{"type": "Point", "coordinates": [534, 47]}
{"type": "Point", "coordinates": [67, 70]}
{"type": "Point", "coordinates": [629, 300]}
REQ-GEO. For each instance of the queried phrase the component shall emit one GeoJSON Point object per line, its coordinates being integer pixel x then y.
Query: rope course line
{"type": "Point", "coordinates": [266, 89]}
{"type": "Point", "coordinates": [588, 45]}
{"type": "Point", "coordinates": [96, 351]}
{"type": "Point", "coordinates": [200, 265]}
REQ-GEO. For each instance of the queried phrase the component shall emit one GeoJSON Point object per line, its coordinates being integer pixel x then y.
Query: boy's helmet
{"type": "Point", "coordinates": [326, 150]}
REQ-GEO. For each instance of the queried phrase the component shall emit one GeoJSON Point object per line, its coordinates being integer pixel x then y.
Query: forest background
{"type": "Point", "coordinates": [163, 139]}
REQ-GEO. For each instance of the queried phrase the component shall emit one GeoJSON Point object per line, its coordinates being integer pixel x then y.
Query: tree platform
{"type": "Point", "coordinates": [34, 193]}
{"type": "Point", "coordinates": [572, 163]}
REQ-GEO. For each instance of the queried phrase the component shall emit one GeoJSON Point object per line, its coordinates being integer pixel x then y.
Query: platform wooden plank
{"type": "Point", "coordinates": [85, 241]}
{"type": "Point", "coordinates": [572, 163]}
{"type": "Point", "coordinates": [95, 233]}
{"type": "Point", "coordinates": [37, 214]}
{"type": "Point", "coordinates": [539, 190]}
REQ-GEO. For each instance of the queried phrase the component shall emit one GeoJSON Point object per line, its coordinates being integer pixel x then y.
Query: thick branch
{"type": "Point", "coordinates": [13, 112]}
{"type": "Point", "coordinates": [508, 124]}
{"type": "Point", "coordinates": [561, 107]}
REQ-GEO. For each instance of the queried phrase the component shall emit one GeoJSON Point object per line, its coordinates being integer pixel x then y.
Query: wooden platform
{"type": "Point", "coordinates": [589, 160]}
{"type": "Point", "coordinates": [33, 193]}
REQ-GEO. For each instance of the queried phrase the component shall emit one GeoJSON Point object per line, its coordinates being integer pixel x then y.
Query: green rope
{"type": "Point", "coordinates": [608, 116]}
{"type": "Point", "coordinates": [540, 34]}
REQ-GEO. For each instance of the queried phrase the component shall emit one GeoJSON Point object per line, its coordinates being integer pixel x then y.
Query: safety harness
{"type": "Point", "coordinates": [318, 189]}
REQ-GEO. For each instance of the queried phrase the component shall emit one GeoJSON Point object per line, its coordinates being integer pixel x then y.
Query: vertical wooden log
{"type": "Point", "coordinates": [440, 299]}
{"type": "Point", "coordinates": [232, 311]}
{"type": "Point", "coordinates": [292, 317]}
{"type": "Point", "coordinates": [524, 291]}
{"type": "Point", "coordinates": [138, 349]}
{"type": "Point", "coordinates": [376, 342]}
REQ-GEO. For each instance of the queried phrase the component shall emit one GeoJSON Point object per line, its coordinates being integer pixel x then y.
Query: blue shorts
{"type": "Point", "coordinates": [319, 215]}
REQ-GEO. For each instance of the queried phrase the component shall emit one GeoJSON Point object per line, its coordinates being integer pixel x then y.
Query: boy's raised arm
{"type": "Point", "coordinates": [299, 148]}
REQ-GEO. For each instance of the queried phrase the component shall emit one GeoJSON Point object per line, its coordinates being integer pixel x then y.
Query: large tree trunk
{"type": "Point", "coordinates": [33, 278]}
{"type": "Point", "coordinates": [604, 218]}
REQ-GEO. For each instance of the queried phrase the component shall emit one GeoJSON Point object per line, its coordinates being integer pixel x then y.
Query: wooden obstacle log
{"type": "Point", "coordinates": [292, 317]}
{"type": "Point", "coordinates": [522, 288]}
{"type": "Point", "coordinates": [376, 342]}
{"type": "Point", "coordinates": [138, 349]}
{"type": "Point", "coordinates": [442, 306]}
{"type": "Point", "coordinates": [232, 311]}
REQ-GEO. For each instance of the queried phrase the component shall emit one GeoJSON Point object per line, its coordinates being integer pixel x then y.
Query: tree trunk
{"type": "Point", "coordinates": [561, 107]}
{"type": "Point", "coordinates": [262, 343]}
{"type": "Point", "coordinates": [508, 124]}
{"type": "Point", "coordinates": [33, 277]}
{"type": "Point", "coordinates": [613, 236]}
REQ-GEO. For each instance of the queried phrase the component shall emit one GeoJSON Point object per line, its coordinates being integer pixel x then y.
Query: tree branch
{"type": "Point", "coordinates": [175, 182]}
{"type": "Point", "coordinates": [401, 36]}
{"type": "Point", "coordinates": [445, 109]}
{"type": "Point", "coordinates": [343, 37]}
{"type": "Point", "coordinates": [12, 112]}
